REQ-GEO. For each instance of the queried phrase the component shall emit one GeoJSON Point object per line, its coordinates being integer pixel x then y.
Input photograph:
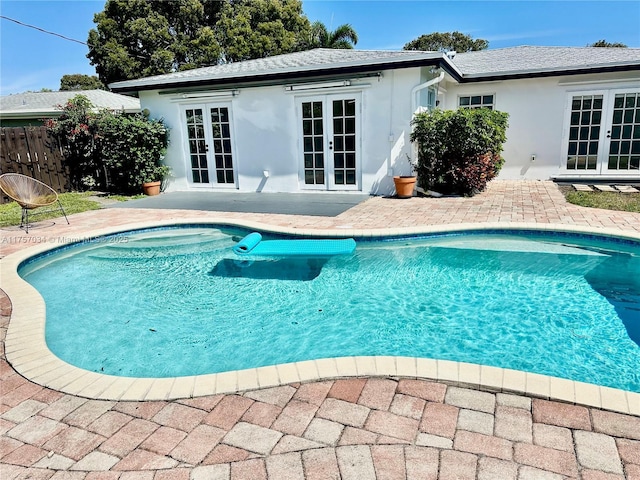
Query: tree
{"type": "Point", "coordinates": [260, 28]}
{"type": "Point", "coordinates": [137, 38]}
{"type": "Point", "coordinates": [79, 81]}
{"type": "Point", "coordinates": [446, 42]}
{"type": "Point", "coordinates": [604, 43]}
{"type": "Point", "coordinates": [342, 37]}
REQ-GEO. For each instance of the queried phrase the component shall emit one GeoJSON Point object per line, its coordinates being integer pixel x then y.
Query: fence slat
{"type": "Point", "coordinates": [31, 151]}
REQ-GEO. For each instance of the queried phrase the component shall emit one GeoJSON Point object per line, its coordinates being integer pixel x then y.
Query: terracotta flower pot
{"type": "Point", "coordinates": [404, 186]}
{"type": "Point", "coordinates": [151, 188]}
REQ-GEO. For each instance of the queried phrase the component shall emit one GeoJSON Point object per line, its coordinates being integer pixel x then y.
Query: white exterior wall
{"type": "Point", "coordinates": [537, 118]}
{"type": "Point", "coordinates": [266, 133]}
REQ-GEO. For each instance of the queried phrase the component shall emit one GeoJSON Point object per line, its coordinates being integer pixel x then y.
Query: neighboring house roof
{"type": "Point", "coordinates": [503, 63]}
{"type": "Point", "coordinates": [46, 104]}
{"type": "Point", "coordinates": [291, 66]}
{"type": "Point", "coordinates": [528, 61]}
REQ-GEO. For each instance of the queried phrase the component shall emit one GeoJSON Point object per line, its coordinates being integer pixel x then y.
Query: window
{"type": "Point", "coordinates": [476, 101]}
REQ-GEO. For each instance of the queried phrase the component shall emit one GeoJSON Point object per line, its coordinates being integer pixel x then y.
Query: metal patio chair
{"type": "Point", "coordinates": [29, 193]}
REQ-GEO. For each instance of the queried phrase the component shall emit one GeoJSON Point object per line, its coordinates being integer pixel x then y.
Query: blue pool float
{"type": "Point", "coordinates": [253, 244]}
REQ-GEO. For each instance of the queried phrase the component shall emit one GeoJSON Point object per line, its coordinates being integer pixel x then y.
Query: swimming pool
{"type": "Point", "coordinates": [177, 302]}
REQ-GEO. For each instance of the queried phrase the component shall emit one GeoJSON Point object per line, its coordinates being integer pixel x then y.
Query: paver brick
{"type": "Point", "coordinates": [263, 414]}
{"type": "Point", "coordinates": [228, 411]}
{"type": "Point", "coordinates": [389, 424]}
{"type": "Point", "coordinates": [514, 424]}
{"type": "Point", "coordinates": [278, 396]}
{"type": "Point", "coordinates": [324, 431]}
{"type": "Point", "coordinates": [407, 406]}
{"type": "Point", "coordinates": [357, 436]}
{"type": "Point", "coordinates": [287, 466]}
{"type": "Point", "coordinates": [516, 401]}
{"type": "Point", "coordinates": [211, 472]}
{"type": "Point", "coordinates": [439, 419]}
{"type": "Point", "coordinates": [457, 465]}
{"type": "Point", "coordinates": [109, 423]}
{"type": "Point", "coordinates": [222, 453]}
{"type": "Point", "coordinates": [170, 474]}
{"type": "Point", "coordinates": [632, 472]}
{"type": "Point", "coordinates": [36, 430]}
{"type": "Point", "coordinates": [144, 410]}
{"type": "Point", "coordinates": [291, 443]}
{"type": "Point", "coordinates": [163, 440]}
{"type": "Point", "coordinates": [430, 391]}
{"type": "Point", "coordinates": [494, 469]}
{"type": "Point", "coordinates": [599, 475]}
{"type": "Point", "coordinates": [74, 443]}
{"type": "Point", "coordinates": [25, 455]}
{"type": "Point", "coordinates": [320, 464]}
{"type": "Point", "coordinates": [180, 417]}
{"type": "Point", "coordinates": [254, 469]}
{"type": "Point", "coordinates": [62, 407]}
{"type": "Point", "coordinates": [95, 461]}
{"type": "Point", "coordinates": [295, 418]}
{"type": "Point", "coordinates": [197, 444]}
{"type": "Point", "coordinates": [343, 412]}
{"type": "Point", "coordinates": [347, 389]}
{"type": "Point", "coordinates": [629, 450]}
{"type": "Point", "coordinates": [378, 393]}
{"type": "Point", "coordinates": [388, 462]}
{"type": "Point", "coordinates": [23, 411]}
{"type": "Point", "coordinates": [421, 463]}
{"type": "Point", "coordinates": [474, 421]}
{"type": "Point", "coordinates": [129, 437]}
{"type": "Point", "coordinates": [551, 436]}
{"type": "Point", "coordinates": [252, 437]}
{"type": "Point", "coordinates": [87, 413]}
{"type": "Point", "coordinates": [144, 460]}
{"type": "Point", "coordinates": [561, 414]}
{"type": "Point", "coordinates": [597, 452]}
{"type": "Point", "coordinates": [616, 424]}
{"type": "Point", "coordinates": [428, 440]}
{"type": "Point", "coordinates": [355, 462]}
{"type": "Point", "coordinates": [484, 444]}
{"type": "Point", "coordinates": [531, 473]}
{"type": "Point", "coordinates": [471, 399]}
{"type": "Point", "coordinates": [313, 393]}
{"type": "Point", "coordinates": [556, 461]}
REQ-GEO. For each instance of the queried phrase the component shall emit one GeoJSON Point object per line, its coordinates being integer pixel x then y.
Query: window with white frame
{"type": "Point", "coordinates": [476, 101]}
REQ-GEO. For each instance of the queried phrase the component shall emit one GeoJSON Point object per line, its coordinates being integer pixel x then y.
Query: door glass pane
{"type": "Point", "coordinates": [313, 143]}
{"type": "Point", "coordinates": [221, 128]}
{"type": "Point", "coordinates": [197, 144]}
{"type": "Point", "coordinates": [586, 111]}
{"type": "Point", "coordinates": [344, 141]}
{"type": "Point", "coordinates": [625, 129]}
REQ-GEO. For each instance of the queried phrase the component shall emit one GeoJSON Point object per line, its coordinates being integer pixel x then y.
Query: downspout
{"type": "Point", "coordinates": [422, 86]}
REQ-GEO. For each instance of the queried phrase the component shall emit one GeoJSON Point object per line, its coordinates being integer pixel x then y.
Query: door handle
{"type": "Point", "coordinates": [206, 147]}
{"type": "Point", "coordinates": [330, 145]}
{"type": "Point", "coordinates": [608, 133]}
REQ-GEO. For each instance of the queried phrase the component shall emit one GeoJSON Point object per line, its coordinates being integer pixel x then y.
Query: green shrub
{"type": "Point", "coordinates": [459, 150]}
{"type": "Point", "coordinates": [110, 150]}
{"type": "Point", "coordinates": [132, 149]}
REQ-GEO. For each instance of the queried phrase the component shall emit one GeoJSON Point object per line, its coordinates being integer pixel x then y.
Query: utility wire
{"type": "Point", "coordinates": [42, 30]}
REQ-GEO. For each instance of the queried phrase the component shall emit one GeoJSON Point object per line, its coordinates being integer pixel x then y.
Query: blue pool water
{"type": "Point", "coordinates": [175, 302]}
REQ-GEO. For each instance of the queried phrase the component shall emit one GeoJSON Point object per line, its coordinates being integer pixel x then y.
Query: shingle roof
{"type": "Point", "coordinates": [316, 61]}
{"type": "Point", "coordinates": [41, 103]}
{"type": "Point", "coordinates": [532, 59]}
{"type": "Point", "coordinates": [472, 66]}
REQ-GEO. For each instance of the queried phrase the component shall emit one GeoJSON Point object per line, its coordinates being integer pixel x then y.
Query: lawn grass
{"type": "Point", "coordinates": [10, 213]}
{"type": "Point", "coordinates": [626, 202]}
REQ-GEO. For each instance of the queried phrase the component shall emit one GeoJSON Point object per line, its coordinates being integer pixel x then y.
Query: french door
{"type": "Point", "coordinates": [603, 135]}
{"type": "Point", "coordinates": [330, 142]}
{"type": "Point", "coordinates": [210, 149]}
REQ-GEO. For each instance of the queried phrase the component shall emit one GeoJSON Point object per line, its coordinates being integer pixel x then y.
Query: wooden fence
{"type": "Point", "coordinates": [30, 151]}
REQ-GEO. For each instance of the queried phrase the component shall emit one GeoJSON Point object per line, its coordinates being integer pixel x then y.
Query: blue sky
{"type": "Point", "coordinates": [32, 60]}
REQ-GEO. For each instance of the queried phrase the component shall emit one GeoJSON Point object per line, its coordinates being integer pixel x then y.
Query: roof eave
{"type": "Point", "coordinates": [555, 72]}
{"type": "Point", "coordinates": [295, 75]}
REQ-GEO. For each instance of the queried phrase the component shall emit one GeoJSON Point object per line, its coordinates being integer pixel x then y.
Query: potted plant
{"type": "Point", "coordinates": [152, 179]}
{"type": "Point", "coordinates": [405, 184]}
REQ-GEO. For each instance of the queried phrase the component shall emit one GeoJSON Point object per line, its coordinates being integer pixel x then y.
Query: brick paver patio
{"type": "Point", "coordinates": [356, 428]}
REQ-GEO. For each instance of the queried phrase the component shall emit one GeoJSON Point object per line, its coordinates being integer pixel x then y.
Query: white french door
{"type": "Point", "coordinates": [330, 142]}
{"type": "Point", "coordinates": [209, 145]}
{"type": "Point", "coordinates": [603, 135]}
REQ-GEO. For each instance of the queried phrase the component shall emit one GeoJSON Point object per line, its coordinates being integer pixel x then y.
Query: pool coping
{"type": "Point", "coordinates": [28, 354]}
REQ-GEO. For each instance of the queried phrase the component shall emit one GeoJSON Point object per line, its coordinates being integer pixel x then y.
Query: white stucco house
{"type": "Point", "coordinates": [340, 120]}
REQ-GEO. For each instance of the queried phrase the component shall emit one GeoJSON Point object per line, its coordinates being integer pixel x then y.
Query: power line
{"type": "Point", "coordinates": [43, 30]}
